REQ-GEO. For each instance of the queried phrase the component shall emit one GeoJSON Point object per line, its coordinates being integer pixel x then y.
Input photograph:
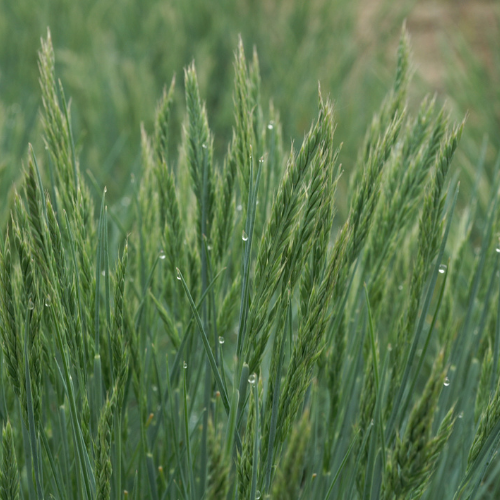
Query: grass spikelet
{"type": "Point", "coordinates": [161, 134]}
{"type": "Point", "coordinates": [244, 463]}
{"type": "Point", "coordinates": [277, 234]}
{"type": "Point", "coordinates": [102, 449]}
{"type": "Point", "coordinates": [288, 478]}
{"type": "Point", "coordinates": [11, 341]}
{"type": "Point", "coordinates": [224, 205]}
{"type": "Point", "coordinates": [171, 227]}
{"type": "Point", "coordinates": [117, 341]}
{"type": "Point", "coordinates": [244, 136]}
{"type": "Point", "coordinates": [218, 468]}
{"type": "Point", "coordinates": [199, 153]}
{"type": "Point", "coordinates": [413, 460]}
{"type": "Point", "coordinates": [9, 475]}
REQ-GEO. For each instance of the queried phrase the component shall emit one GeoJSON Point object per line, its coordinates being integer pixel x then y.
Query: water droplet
{"type": "Point", "coordinates": [221, 340]}
{"type": "Point", "coordinates": [105, 189]}
{"type": "Point", "coordinates": [442, 268]}
{"type": "Point", "coordinates": [261, 159]}
{"type": "Point", "coordinates": [162, 255]}
{"type": "Point", "coordinates": [239, 208]}
{"type": "Point", "coordinates": [209, 248]}
{"type": "Point", "coordinates": [250, 157]}
{"type": "Point", "coordinates": [498, 249]}
{"type": "Point", "coordinates": [48, 301]}
{"type": "Point", "coordinates": [178, 274]}
{"type": "Point", "coordinates": [104, 273]}
{"type": "Point", "coordinates": [252, 379]}
{"type": "Point", "coordinates": [372, 423]}
{"type": "Point", "coordinates": [244, 236]}
{"type": "Point", "coordinates": [31, 305]}
{"type": "Point", "coordinates": [400, 287]}
{"type": "Point", "coordinates": [461, 414]}
{"type": "Point", "coordinates": [446, 382]}
{"type": "Point", "coordinates": [270, 126]}
{"type": "Point", "coordinates": [257, 495]}
{"type": "Point", "coordinates": [185, 365]}
{"type": "Point", "coordinates": [256, 202]}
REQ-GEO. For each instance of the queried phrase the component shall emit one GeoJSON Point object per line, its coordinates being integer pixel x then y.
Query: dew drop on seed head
{"type": "Point", "coordinates": [257, 495]}
{"type": "Point", "coordinates": [442, 268]}
{"type": "Point", "coordinates": [261, 159]}
{"type": "Point", "coordinates": [221, 339]}
{"type": "Point", "coordinates": [252, 379]}
{"type": "Point", "coordinates": [31, 305]}
{"type": "Point", "coordinates": [244, 236]}
{"type": "Point", "coordinates": [185, 365]}
{"type": "Point", "coordinates": [446, 382]}
{"type": "Point", "coordinates": [48, 301]}
{"type": "Point", "coordinates": [270, 126]}
{"type": "Point", "coordinates": [162, 255]}
{"type": "Point", "coordinates": [178, 274]}
{"type": "Point", "coordinates": [239, 208]}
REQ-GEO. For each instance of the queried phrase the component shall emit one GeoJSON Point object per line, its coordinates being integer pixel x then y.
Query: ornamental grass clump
{"type": "Point", "coordinates": [237, 340]}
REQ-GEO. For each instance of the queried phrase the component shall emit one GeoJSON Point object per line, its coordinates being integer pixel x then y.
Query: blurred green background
{"type": "Point", "coordinates": [115, 56]}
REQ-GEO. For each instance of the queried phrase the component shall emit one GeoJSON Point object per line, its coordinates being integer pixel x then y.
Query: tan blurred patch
{"type": "Point", "coordinates": [431, 23]}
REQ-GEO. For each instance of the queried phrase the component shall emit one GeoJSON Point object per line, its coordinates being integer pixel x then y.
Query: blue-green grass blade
{"type": "Point", "coordinates": [208, 350]}
{"type": "Point", "coordinates": [188, 443]}
{"type": "Point", "coordinates": [341, 467]}
{"type": "Point", "coordinates": [426, 344]}
{"type": "Point", "coordinates": [56, 473]}
{"type": "Point", "coordinates": [255, 468]}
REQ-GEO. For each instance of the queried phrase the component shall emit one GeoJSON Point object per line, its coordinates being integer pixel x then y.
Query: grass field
{"type": "Point", "coordinates": [214, 303]}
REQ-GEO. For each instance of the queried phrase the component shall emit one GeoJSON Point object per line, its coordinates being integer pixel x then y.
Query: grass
{"type": "Point", "coordinates": [114, 68]}
{"type": "Point", "coordinates": [242, 340]}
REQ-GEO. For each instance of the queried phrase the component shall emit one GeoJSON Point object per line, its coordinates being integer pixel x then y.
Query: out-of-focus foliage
{"type": "Point", "coordinates": [114, 57]}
